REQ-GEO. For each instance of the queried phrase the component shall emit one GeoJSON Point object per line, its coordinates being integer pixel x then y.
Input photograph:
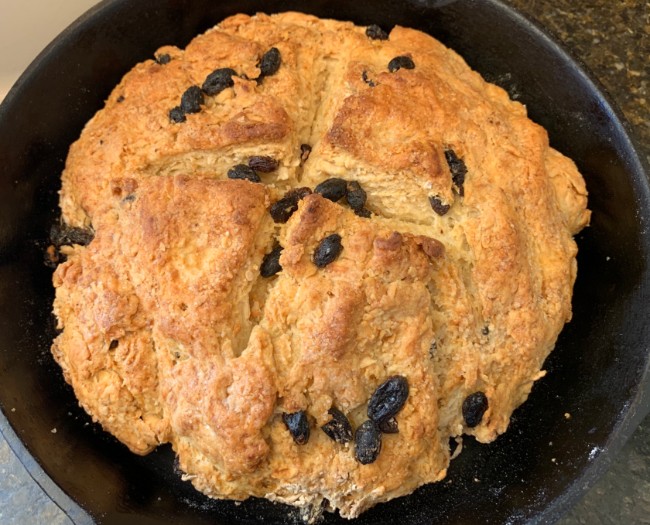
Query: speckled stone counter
{"type": "Point", "coordinates": [612, 38]}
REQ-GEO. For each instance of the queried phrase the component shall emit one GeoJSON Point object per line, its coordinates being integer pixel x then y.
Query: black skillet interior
{"type": "Point", "coordinates": [531, 474]}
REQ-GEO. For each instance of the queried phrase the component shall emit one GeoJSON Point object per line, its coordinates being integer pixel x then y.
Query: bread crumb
{"type": "Point", "coordinates": [567, 415]}
{"type": "Point", "coordinates": [53, 430]}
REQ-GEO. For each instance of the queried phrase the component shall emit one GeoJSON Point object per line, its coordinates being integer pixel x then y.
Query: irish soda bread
{"type": "Point", "coordinates": [320, 252]}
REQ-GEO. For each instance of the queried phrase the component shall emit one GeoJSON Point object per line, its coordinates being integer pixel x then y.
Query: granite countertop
{"type": "Point", "coordinates": [612, 38]}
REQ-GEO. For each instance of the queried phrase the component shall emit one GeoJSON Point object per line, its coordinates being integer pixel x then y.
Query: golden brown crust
{"type": "Point", "coordinates": [170, 333]}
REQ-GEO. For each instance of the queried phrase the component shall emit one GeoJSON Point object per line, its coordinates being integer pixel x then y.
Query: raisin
{"type": "Point", "coordinates": [338, 428]}
{"type": "Point", "coordinates": [177, 115]}
{"type": "Point", "coordinates": [218, 80]}
{"type": "Point", "coordinates": [328, 250]}
{"type": "Point", "coordinates": [298, 426]}
{"type": "Point", "coordinates": [287, 205]}
{"type": "Point", "coordinates": [305, 150]}
{"type": "Point", "coordinates": [80, 236]}
{"type": "Point", "coordinates": [241, 171]}
{"type": "Point", "coordinates": [163, 59]}
{"type": "Point", "coordinates": [458, 170]}
{"type": "Point", "coordinates": [401, 62]}
{"type": "Point", "coordinates": [270, 62]}
{"type": "Point", "coordinates": [388, 426]}
{"type": "Point", "coordinates": [355, 195]}
{"type": "Point", "coordinates": [114, 344]}
{"type": "Point", "coordinates": [363, 212]}
{"type": "Point", "coordinates": [374, 32]}
{"type": "Point", "coordinates": [333, 189]}
{"type": "Point", "coordinates": [367, 440]}
{"type": "Point", "coordinates": [474, 407]}
{"type": "Point", "coordinates": [388, 399]}
{"type": "Point", "coordinates": [192, 100]}
{"type": "Point", "coordinates": [365, 78]}
{"type": "Point", "coordinates": [485, 330]}
{"type": "Point", "coordinates": [271, 262]}
{"type": "Point", "coordinates": [432, 349]}
{"type": "Point", "coordinates": [62, 235]}
{"type": "Point", "coordinates": [263, 164]}
{"type": "Point", "coordinates": [120, 99]}
{"type": "Point", "coordinates": [438, 206]}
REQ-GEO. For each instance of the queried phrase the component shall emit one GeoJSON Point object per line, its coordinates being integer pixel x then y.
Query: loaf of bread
{"type": "Point", "coordinates": [320, 251]}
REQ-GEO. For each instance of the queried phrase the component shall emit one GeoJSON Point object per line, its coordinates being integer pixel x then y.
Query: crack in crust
{"type": "Point", "coordinates": [170, 334]}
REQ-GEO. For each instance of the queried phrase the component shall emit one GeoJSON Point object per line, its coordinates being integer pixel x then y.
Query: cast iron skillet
{"type": "Point", "coordinates": [599, 372]}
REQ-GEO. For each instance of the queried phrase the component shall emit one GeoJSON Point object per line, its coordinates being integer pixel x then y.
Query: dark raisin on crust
{"type": "Point", "coordinates": [367, 440]}
{"type": "Point", "coordinates": [365, 78]}
{"type": "Point", "coordinates": [458, 170]}
{"type": "Point", "coordinates": [333, 189]}
{"type": "Point", "coordinates": [120, 99]}
{"type": "Point", "coordinates": [305, 150]}
{"type": "Point", "coordinates": [328, 250]}
{"type": "Point", "coordinates": [285, 207]}
{"type": "Point", "coordinates": [438, 206]}
{"type": "Point", "coordinates": [374, 32]}
{"type": "Point", "coordinates": [242, 171]}
{"type": "Point", "coordinates": [218, 80]}
{"type": "Point", "coordinates": [163, 59]}
{"type": "Point", "coordinates": [355, 195]}
{"type": "Point", "coordinates": [401, 62]}
{"type": "Point", "coordinates": [432, 349]}
{"type": "Point", "coordinates": [474, 407]}
{"type": "Point", "coordinates": [298, 426]}
{"type": "Point", "coordinates": [114, 344]}
{"type": "Point", "coordinates": [177, 115]}
{"type": "Point", "coordinates": [388, 426]}
{"type": "Point", "coordinates": [271, 262]}
{"type": "Point", "coordinates": [388, 399]}
{"type": "Point", "coordinates": [62, 235]}
{"type": "Point", "coordinates": [262, 163]}
{"type": "Point", "coordinates": [485, 330]}
{"type": "Point", "coordinates": [270, 62]}
{"type": "Point", "coordinates": [363, 212]}
{"type": "Point", "coordinates": [338, 428]}
{"type": "Point", "coordinates": [192, 100]}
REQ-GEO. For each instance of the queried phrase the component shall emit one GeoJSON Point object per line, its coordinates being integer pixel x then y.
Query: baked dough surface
{"type": "Point", "coordinates": [170, 333]}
